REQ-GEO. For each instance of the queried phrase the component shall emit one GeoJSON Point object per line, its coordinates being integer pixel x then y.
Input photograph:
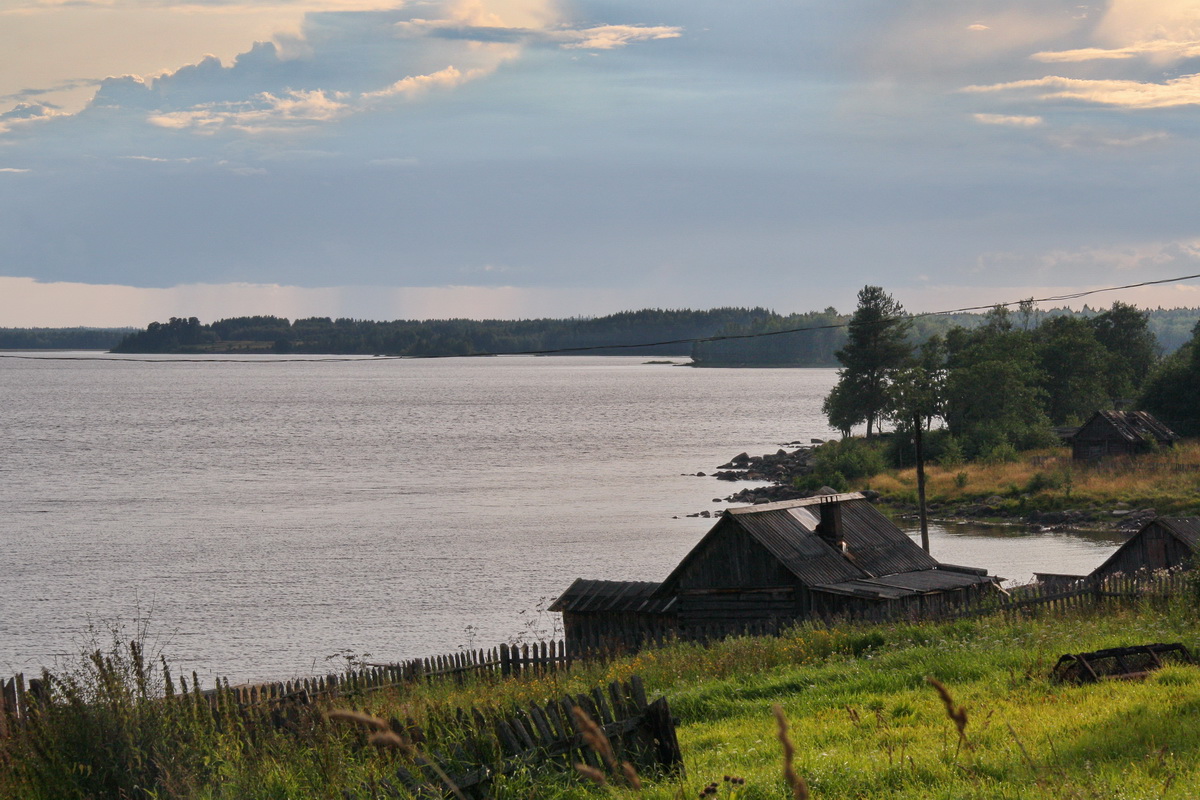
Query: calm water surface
{"type": "Point", "coordinates": [267, 514]}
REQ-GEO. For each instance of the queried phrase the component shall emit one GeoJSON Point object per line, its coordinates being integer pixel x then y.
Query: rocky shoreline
{"type": "Point", "coordinates": [782, 467]}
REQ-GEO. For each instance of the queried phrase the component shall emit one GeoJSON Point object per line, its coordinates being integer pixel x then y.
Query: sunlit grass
{"type": "Point", "coordinates": [864, 720]}
{"type": "Point", "coordinates": [1168, 481]}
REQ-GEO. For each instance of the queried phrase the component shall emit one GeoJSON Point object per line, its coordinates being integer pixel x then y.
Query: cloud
{"type": "Point", "coordinates": [1084, 138]}
{"type": "Point", "coordinates": [339, 64]}
{"type": "Point", "coordinates": [1160, 49]}
{"type": "Point", "coordinates": [978, 27]}
{"type": "Point", "coordinates": [25, 113]}
{"type": "Point", "coordinates": [1182, 91]}
{"type": "Point", "coordinates": [598, 37]}
{"type": "Point", "coordinates": [13, 169]}
{"type": "Point", "coordinates": [413, 85]}
{"type": "Point", "coordinates": [265, 113]}
{"type": "Point", "coordinates": [1007, 119]}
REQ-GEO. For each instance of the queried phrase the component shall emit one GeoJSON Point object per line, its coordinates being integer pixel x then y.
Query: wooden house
{"type": "Point", "coordinates": [765, 566]}
{"type": "Point", "coordinates": [1119, 433]}
{"type": "Point", "coordinates": [1164, 543]}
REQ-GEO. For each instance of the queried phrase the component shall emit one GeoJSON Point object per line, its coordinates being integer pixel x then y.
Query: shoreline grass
{"type": "Point", "coordinates": [1047, 480]}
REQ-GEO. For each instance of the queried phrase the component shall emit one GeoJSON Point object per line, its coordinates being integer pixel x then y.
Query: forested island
{"type": "Point", "coordinates": [821, 334]}
{"type": "Point", "coordinates": [62, 338]}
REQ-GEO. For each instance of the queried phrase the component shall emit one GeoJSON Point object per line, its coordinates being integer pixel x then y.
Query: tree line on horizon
{"type": "Point", "coordinates": [823, 334]}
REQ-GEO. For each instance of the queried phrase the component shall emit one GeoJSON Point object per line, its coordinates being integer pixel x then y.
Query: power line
{"type": "Point", "coordinates": [587, 348]}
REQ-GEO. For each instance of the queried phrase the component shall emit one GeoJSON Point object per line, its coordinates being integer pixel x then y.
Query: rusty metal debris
{"type": "Point", "coordinates": [1118, 662]}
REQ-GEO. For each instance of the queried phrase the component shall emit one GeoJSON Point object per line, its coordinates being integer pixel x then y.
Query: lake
{"type": "Point", "coordinates": [266, 513]}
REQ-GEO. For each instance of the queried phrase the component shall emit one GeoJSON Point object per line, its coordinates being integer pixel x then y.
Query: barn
{"type": "Point", "coordinates": [764, 566]}
{"type": "Point", "coordinates": [1119, 433]}
{"type": "Point", "coordinates": [1164, 543]}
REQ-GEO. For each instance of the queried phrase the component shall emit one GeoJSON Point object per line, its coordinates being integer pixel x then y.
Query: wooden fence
{"type": "Point", "coordinates": [640, 732]}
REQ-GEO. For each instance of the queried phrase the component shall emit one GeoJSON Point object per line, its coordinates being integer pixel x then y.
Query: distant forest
{"type": "Point", "coordinates": [810, 348]}
{"type": "Point", "coordinates": [61, 338]}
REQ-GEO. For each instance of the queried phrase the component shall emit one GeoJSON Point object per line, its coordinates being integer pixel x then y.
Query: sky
{"type": "Point", "coordinates": [525, 158]}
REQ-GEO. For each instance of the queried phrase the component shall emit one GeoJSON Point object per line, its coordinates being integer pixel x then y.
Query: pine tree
{"type": "Point", "coordinates": [876, 347]}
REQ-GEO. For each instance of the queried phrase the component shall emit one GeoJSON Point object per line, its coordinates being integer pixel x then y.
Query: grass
{"type": "Point", "coordinates": [1168, 481]}
{"type": "Point", "coordinates": [864, 719]}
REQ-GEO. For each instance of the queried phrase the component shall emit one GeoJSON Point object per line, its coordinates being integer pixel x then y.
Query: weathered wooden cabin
{"type": "Point", "coordinates": [1119, 433]}
{"type": "Point", "coordinates": [1164, 543]}
{"type": "Point", "coordinates": [764, 566]}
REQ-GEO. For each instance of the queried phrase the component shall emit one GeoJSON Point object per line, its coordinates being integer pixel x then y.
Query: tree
{"type": "Point", "coordinates": [1074, 366]}
{"type": "Point", "coordinates": [876, 347]}
{"type": "Point", "coordinates": [994, 393]}
{"type": "Point", "coordinates": [1132, 347]}
{"type": "Point", "coordinates": [915, 399]}
{"type": "Point", "coordinates": [1172, 391]}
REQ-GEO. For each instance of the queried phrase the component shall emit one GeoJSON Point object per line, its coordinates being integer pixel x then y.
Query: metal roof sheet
{"type": "Point", "coordinates": [1137, 426]}
{"type": "Point", "coordinates": [798, 548]}
{"type": "Point", "coordinates": [1186, 529]}
{"type": "Point", "coordinates": [904, 584]}
{"type": "Point", "coordinates": [865, 589]}
{"type": "Point", "coordinates": [585, 596]}
{"type": "Point", "coordinates": [875, 545]}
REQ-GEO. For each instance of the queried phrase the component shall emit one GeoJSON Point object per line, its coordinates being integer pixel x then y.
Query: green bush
{"type": "Point", "coordinates": [951, 454]}
{"type": "Point", "coordinates": [1003, 453]}
{"type": "Point", "coordinates": [1040, 482]}
{"type": "Point", "coordinates": [851, 458]}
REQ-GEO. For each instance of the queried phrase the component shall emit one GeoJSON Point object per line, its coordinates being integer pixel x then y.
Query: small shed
{"type": "Point", "coordinates": [765, 566]}
{"type": "Point", "coordinates": [614, 614]}
{"type": "Point", "coordinates": [1119, 433]}
{"type": "Point", "coordinates": [1164, 543]}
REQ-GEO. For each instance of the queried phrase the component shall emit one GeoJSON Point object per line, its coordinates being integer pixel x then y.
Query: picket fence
{"type": "Point", "coordinates": [639, 732]}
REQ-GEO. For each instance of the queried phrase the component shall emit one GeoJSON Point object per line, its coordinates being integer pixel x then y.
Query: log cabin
{"type": "Point", "coordinates": [766, 566]}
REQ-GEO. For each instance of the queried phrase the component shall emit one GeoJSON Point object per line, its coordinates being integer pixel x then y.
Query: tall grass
{"type": "Point", "coordinates": [1168, 480]}
{"type": "Point", "coordinates": [863, 721]}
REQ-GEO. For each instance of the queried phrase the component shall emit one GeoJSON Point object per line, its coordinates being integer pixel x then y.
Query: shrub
{"type": "Point", "coordinates": [951, 454]}
{"type": "Point", "coordinates": [1003, 453]}
{"type": "Point", "coordinates": [849, 458]}
{"type": "Point", "coordinates": [1040, 482]}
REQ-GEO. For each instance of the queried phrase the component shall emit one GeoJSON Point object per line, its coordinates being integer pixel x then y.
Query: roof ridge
{"type": "Point", "coordinates": [800, 503]}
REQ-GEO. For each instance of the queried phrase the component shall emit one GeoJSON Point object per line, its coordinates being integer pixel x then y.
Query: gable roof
{"type": "Point", "coordinates": [1185, 529]}
{"type": "Point", "coordinates": [874, 545]}
{"type": "Point", "coordinates": [1133, 426]}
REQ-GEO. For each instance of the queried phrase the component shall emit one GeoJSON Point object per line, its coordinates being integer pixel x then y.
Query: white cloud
{"type": "Point", "coordinates": [1007, 119]}
{"type": "Point", "coordinates": [598, 37]}
{"type": "Point", "coordinates": [13, 169]}
{"type": "Point", "coordinates": [266, 112]}
{"type": "Point", "coordinates": [1182, 91]}
{"type": "Point", "coordinates": [1161, 49]}
{"type": "Point", "coordinates": [978, 27]}
{"type": "Point", "coordinates": [414, 85]}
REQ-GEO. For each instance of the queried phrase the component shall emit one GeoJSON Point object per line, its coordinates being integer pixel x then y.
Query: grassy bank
{"type": "Point", "coordinates": [1047, 480]}
{"type": "Point", "coordinates": [864, 719]}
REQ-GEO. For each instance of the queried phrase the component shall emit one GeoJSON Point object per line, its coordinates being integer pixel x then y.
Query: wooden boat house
{"type": "Point", "coordinates": [765, 566]}
{"type": "Point", "coordinates": [1119, 433]}
{"type": "Point", "coordinates": [1164, 543]}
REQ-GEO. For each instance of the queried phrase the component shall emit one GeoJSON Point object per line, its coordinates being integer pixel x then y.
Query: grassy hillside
{"type": "Point", "coordinates": [864, 719]}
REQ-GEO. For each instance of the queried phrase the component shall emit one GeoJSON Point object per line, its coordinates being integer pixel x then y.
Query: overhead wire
{"type": "Point", "coordinates": [640, 345]}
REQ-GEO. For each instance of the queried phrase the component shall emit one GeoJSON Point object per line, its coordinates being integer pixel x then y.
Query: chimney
{"type": "Point", "coordinates": [830, 526]}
